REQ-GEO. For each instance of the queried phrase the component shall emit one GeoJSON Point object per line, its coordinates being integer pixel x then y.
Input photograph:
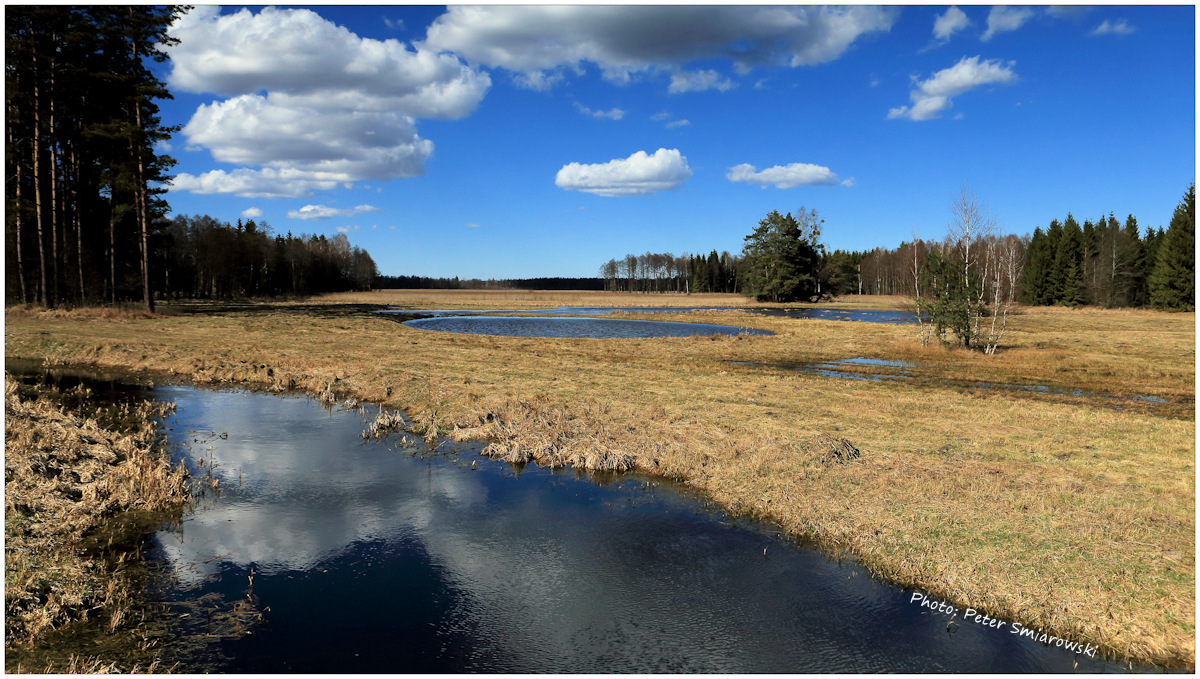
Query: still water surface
{"type": "Point", "coordinates": [862, 315]}
{"type": "Point", "coordinates": [521, 326]}
{"type": "Point", "coordinates": [389, 556]}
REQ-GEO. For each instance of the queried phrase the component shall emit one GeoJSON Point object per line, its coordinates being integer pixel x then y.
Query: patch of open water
{"type": "Point", "coordinates": [862, 315]}
{"type": "Point", "coordinates": [899, 370]}
{"type": "Point", "coordinates": [561, 310]}
{"type": "Point", "coordinates": [389, 555]}
{"type": "Point", "coordinates": [560, 327]}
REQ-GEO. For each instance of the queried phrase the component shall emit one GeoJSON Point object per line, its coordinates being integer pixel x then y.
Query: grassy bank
{"type": "Point", "coordinates": [78, 495]}
{"type": "Point", "coordinates": [1060, 512]}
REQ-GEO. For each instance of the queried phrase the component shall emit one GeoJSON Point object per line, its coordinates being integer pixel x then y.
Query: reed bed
{"type": "Point", "coordinates": [1063, 514]}
{"type": "Point", "coordinates": [66, 479]}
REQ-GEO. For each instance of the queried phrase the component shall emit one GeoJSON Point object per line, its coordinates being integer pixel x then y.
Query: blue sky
{"type": "Point", "coordinates": [512, 142]}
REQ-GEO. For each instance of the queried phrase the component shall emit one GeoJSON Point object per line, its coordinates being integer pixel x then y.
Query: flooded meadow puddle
{"type": "Point", "coordinates": [390, 555]}
{"type": "Point", "coordinates": [561, 327]}
{"type": "Point", "coordinates": [561, 322]}
{"type": "Point", "coordinates": [860, 315]}
{"type": "Point", "coordinates": [877, 370]}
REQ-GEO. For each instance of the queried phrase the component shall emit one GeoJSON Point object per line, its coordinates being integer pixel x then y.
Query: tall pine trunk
{"type": "Point", "coordinates": [54, 260]}
{"type": "Point", "coordinates": [37, 188]}
{"type": "Point", "coordinates": [112, 243]}
{"type": "Point", "coordinates": [140, 190]}
{"type": "Point", "coordinates": [17, 218]}
{"type": "Point", "coordinates": [78, 222]}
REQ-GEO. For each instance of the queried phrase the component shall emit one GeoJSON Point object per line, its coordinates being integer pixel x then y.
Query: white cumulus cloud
{"type": "Point", "coordinates": [318, 212]}
{"type": "Point", "coordinates": [296, 52]}
{"type": "Point", "coordinates": [1119, 27]}
{"type": "Point", "coordinates": [311, 105]}
{"type": "Point", "coordinates": [783, 176]}
{"type": "Point", "coordinates": [931, 97]}
{"type": "Point", "coordinates": [263, 183]}
{"type": "Point", "coordinates": [698, 81]}
{"type": "Point", "coordinates": [1003, 19]}
{"type": "Point", "coordinates": [251, 213]}
{"type": "Point", "coordinates": [640, 174]}
{"type": "Point", "coordinates": [948, 24]}
{"type": "Point", "coordinates": [540, 44]}
{"type": "Point", "coordinates": [612, 114]}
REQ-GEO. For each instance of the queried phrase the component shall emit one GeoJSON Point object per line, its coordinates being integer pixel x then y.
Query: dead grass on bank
{"type": "Point", "coordinates": [1071, 517]}
{"type": "Point", "coordinates": [66, 477]}
{"type": "Point", "coordinates": [115, 313]}
{"type": "Point", "coordinates": [520, 299]}
{"type": "Point", "coordinates": [454, 299]}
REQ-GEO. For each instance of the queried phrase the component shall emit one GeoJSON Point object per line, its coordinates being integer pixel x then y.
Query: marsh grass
{"type": "Point", "coordinates": [1064, 515]}
{"type": "Point", "coordinates": [78, 497]}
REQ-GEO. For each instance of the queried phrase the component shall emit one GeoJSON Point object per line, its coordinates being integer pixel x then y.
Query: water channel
{"type": "Point", "coordinates": [390, 555]}
{"type": "Point", "coordinates": [523, 326]}
{"type": "Point", "coordinates": [861, 315]}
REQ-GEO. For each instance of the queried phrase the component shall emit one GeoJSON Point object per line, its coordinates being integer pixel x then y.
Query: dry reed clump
{"type": "Point", "coordinates": [553, 436]}
{"type": "Point", "coordinates": [65, 476]}
{"type": "Point", "coordinates": [383, 424]}
{"type": "Point", "coordinates": [832, 449]}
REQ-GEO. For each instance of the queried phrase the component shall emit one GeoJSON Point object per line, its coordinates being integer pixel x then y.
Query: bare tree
{"type": "Point", "coordinates": [918, 300]}
{"type": "Point", "coordinates": [969, 229]}
{"type": "Point", "coordinates": [1007, 256]}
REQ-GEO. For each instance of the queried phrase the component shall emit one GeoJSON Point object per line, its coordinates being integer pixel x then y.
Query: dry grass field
{"type": "Point", "coordinates": [1072, 513]}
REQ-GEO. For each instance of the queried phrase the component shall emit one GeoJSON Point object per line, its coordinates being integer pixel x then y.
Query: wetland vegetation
{"type": "Point", "coordinates": [85, 480]}
{"type": "Point", "coordinates": [1063, 514]}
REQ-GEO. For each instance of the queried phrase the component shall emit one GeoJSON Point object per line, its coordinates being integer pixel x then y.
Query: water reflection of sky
{"type": "Point", "coordinates": [828, 314]}
{"type": "Point", "coordinates": [574, 327]}
{"type": "Point", "coordinates": [371, 559]}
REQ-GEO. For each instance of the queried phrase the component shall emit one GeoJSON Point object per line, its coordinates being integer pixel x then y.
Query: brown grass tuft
{"type": "Point", "coordinates": [65, 478]}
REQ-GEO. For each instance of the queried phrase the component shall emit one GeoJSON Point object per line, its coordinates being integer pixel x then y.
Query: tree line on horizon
{"type": "Point", "coordinates": [664, 272]}
{"type": "Point", "coordinates": [429, 283]}
{"type": "Point", "coordinates": [1102, 263]}
{"type": "Point", "coordinates": [206, 258]}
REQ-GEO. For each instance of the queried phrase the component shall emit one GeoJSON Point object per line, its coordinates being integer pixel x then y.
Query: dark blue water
{"type": "Point", "coordinates": [862, 315]}
{"type": "Point", "coordinates": [389, 556]}
{"type": "Point", "coordinates": [521, 326]}
{"type": "Point", "coordinates": [560, 311]}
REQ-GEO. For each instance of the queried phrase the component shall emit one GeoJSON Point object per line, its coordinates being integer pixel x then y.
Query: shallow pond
{"type": "Point", "coordinates": [559, 310]}
{"type": "Point", "coordinates": [520, 326]}
{"type": "Point", "coordinates": [389, 556]}
{"type": "Point", "coordinates": [877, 369]}
{"type": "Point", "coordinates": [862, 315]}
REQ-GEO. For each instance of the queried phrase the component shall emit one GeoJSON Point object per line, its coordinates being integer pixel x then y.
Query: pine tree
{"type": "Point", "coordinates": [1038, 260]}
{"type": "Point", "coordinates": [1135, 285]}
{"type": "Point", "coordinates": [1173, 283]}
{"type": "Point", "coordinates": [1068, 264]}
{"type": "Point", "coordinates": [1052, 288]}
{"type": "Point", "coordinates": [782, 261]}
